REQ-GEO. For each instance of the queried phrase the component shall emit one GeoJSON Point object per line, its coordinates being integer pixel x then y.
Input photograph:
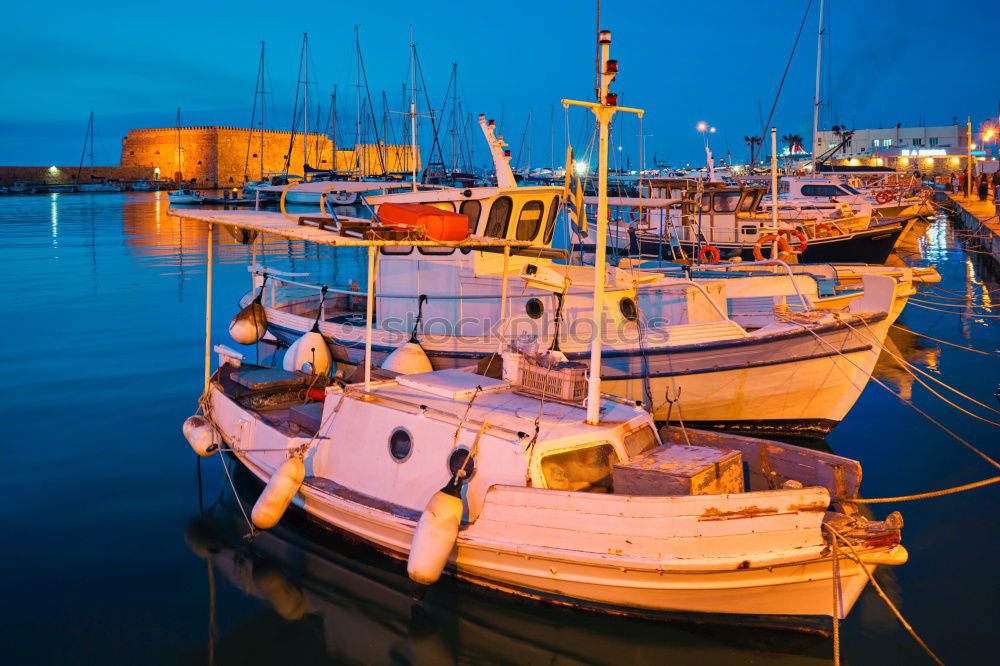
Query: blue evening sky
{"type": "Point", "coordinates": [134, 63]}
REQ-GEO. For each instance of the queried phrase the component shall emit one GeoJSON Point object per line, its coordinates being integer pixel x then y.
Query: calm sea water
{"type": "Point", "coordinates": [113, 553]}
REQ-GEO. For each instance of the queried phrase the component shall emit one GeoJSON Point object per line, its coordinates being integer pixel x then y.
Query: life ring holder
{"type": "Point", "coordinates": [883, 197]}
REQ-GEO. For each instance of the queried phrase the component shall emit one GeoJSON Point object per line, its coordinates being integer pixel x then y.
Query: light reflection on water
{"type": "Point", "coordinates": [105, 316]}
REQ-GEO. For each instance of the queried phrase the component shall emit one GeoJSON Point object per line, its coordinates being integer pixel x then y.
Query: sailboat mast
{"type": "Point", "coordinates": [413, 111]}
{"type": "Point", "coordinates": [91, 132]}
{"type": "Point", "coordinates": [819, 58]}
{"type": "Point", "coordinates": [180, 169]}
{"type": "Point", "coordinates": [357, 80]}
{"type": "Point", "coordinates": [333, 126]}
{"type": "Point", "coordinates": [305, 104]}
{"type": "Point", "coordinates": [262, 97]}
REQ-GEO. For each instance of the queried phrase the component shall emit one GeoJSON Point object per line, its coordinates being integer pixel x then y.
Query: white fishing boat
{"type": "Point", "coordinates": [336, 192]}
{"type": "Point", "coordinates": [144, 186]}
{"type": "Point", "coordinates": [185, 196]}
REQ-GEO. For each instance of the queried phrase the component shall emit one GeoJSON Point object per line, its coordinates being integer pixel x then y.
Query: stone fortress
{"type": "Point", "coordinates": [216, 156]}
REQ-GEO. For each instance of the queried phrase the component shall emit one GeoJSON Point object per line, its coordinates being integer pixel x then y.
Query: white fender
{"type": "Point", "coordinates": [249, 325]}
{"type": "Point", "coordinates": [408, 359]}
{"type": "Point", "coordinates": [311, 348]}
{"type": "Point", "coordinates": [434, 538]}
{"type": "Point", "coordinates": [200, 434]}
{"type": "Point", "coordinates": [278, 493]}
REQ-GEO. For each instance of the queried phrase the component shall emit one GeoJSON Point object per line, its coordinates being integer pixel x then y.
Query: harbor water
{"type": "Point", "coordinates": [121, 548]}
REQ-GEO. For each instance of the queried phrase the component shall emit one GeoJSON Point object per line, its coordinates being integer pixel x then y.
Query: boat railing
{"type": "Point", "coordinates": [647, 289]}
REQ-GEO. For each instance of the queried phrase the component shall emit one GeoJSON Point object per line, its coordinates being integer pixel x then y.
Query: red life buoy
{"type": "Point", "coordinates": [803, 241]}
{"type": "Point", "coordinates": [784, 249]}
{"type": "Point", "coordinates": [639, 214]}
{"type": "Point", "coordinates": [825, 230]}
{"type": "Point", "coordinates": [883, 197]}
{"type": "Point", "coordinates": [709, 255]}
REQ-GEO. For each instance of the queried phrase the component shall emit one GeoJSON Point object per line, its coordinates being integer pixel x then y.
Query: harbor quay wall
{"type": "Point", "coordinates": [980, 217]}
{"type": "Point", "coordinates": [226, 156]}
{"type": "Point", "coordinates": [65, 175]}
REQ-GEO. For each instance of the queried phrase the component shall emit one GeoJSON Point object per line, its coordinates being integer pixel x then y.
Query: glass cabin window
{"type": "Point", "coordinates": [725, 202]}
{"type": "Point", "coordinates": [747, 204]}
{"type": "Point", "coordinates": [639, 441]}
{"type": "Point", "coordinates": [499, 218]}
{"type": "Point", "coordinates": [550, 223]}
{"type": "Point", "coordinates": [471, 209]}
{"type": "Point", "coordinates": [587, 469]}
{"type": "Point", "coordinates": [706, 202]}
{"type": "Point", "coordinates": [529, 221]}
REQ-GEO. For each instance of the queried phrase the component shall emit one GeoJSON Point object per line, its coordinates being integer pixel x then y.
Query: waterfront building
{"type": "Point", "coordinates": [931, 150]}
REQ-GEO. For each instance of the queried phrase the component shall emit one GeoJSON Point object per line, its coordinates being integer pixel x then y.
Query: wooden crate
{"type": "Point", "coordinates": [677, 469]}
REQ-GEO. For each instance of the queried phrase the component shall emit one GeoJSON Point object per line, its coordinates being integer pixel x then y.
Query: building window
{"type": "Point", "coordinates": [932, 141]}
{"type": "Point", "coordinates": [199, 161]}
{"type": "Point", "coordinates": [887, 143]}
{"type": "Point", "coordinates": [132, 153]}
{"type": "Point", "coordinates": [918, 142]}
{"type": "Point", "coordinates": [875, 143]}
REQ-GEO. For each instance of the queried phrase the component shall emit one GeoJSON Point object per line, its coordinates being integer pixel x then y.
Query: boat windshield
{"type": "Point", "coordinates": [587, 469]}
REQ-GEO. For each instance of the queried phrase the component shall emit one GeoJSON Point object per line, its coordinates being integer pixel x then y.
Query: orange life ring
{"type": "Point", "coordinates": [803, 241]}
{"type": "Point", "coordinates": [709, 255]}
{"type": "Point", "coordinates": [784, 249]}
{"type": "Point", "coordinates": [825, 230]}
{"type": "Point", "coordinates": [637, 214]}
{"type": "Point", "coordinates": [883, 197]}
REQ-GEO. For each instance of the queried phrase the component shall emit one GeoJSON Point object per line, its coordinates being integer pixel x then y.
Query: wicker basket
{"type": "Point", "coordinates": [561, 381]}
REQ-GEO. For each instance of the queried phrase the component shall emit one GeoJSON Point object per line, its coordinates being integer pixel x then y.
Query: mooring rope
{"type": "Point", "coordinates": [945, 342]}
{"type": "Point", "coordinates": [854, 556]}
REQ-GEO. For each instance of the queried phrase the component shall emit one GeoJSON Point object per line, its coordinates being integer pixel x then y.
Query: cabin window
{"type": "Point", "coordinates": [396, 250]}
{"type": "Point", "coordinates": [747, 204]}
{"type": "Point", "coordinates": [529, 221]}
{"type": "Point", "coordinates": [821, 191]}
{"type": "Point", "coordinates": [499, 218]}
{"type": "Point", "coordinates": [726, 202]}
{"type": "Point", "coordinates": [472, 210]}
{"type": "Point", "coordinates": [433, 250]}
{"type": "Point", "coordinates": [457, 461]}
{"type": "Point", "coordinates": [628, 309]}
{"type": "Point", "coordinates": [749, 231]}
{"type": "Point", "coordinates": [534, 308]}
{"type": "Point", "coordinates": [400, 444]}
{"type": "Point", "coordinates": [586, 469]}
{"type": "Point", "coordinates": [706, 202]}
{"type": "Point", "coordinates": [639, 441]}
{"type": "Point", "coordinates": [550, 223]}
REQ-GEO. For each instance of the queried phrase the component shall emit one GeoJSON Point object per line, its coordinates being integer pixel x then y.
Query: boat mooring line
{"type": "Point", "coordinates": [927, 495]}
{"type": "Point", "coordinates": [927, 416]}
{"type": "Point", "coordinates": [854, 556]}
{"type": "Point", "coordinates": [944, 342]}
{"type": "Point", "coordinates": [963, 314]}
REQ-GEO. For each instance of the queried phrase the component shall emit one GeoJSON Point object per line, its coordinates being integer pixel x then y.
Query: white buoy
{"type": "Point", "coordinates": [408, 359]}
{"type": "Point", "coordinates": [250, 324]}
{"type": "Point", "coordinates": [278, 493]}
{"type": "Point", "coordinates": [309, 349]}
{"type": "Point", "coordinates": [200, 434]}
{"type": "Point", "coordinates": [435, 536]}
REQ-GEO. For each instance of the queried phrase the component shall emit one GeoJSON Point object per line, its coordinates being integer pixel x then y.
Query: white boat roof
{"type": "Point", "coordinates": [500, 406]}
{"type": "Point", "coordinates": [275, 223]}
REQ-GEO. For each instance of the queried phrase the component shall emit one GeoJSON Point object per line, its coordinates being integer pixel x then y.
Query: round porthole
{"type": "Point", "coordinates": [534, 308]}
{"type": "Point", "coordinates": [628, 309]}
{"type": "Point", "coordinates": [400, 444]}
{"type": "Point", "coordinates": [456, 461]}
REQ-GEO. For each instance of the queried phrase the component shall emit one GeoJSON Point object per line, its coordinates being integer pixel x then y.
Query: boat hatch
{"type": "Point", "coordinates": [451, 384]}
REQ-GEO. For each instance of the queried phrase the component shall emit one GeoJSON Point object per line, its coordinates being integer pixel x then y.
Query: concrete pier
{"type": "Point", "coordinates": [979, 217]}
